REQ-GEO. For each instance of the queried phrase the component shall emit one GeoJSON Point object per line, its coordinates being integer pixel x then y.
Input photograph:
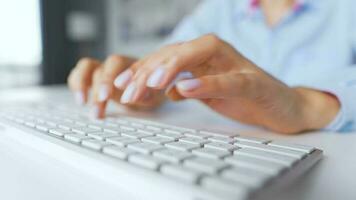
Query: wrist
{"type": "Point", "coordinates": [317, 108]}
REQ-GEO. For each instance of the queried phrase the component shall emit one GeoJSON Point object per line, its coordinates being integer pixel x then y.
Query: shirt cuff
{"type": "Point", "coordinates": [345, 116]}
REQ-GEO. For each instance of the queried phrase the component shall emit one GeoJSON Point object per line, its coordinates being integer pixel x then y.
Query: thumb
{"type": "Point", "coordinates": [215, 86]}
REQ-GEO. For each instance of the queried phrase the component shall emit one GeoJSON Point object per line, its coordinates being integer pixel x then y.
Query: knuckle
{"type": "Point", "coordinates": [213, 39]}
{"type": "Point", "coordinates": [85, 61]}
{"type": "Point", "coordinates": [117, 59]}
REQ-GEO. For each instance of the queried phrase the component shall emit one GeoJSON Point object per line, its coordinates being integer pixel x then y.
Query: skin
{"type": "Point", "coordinates": [224, 80]}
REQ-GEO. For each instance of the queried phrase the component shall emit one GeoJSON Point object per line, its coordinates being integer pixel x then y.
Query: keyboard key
{"type": "Point", "coordinates": [256, 164]}
{"type": "Point", "coordinates": [59, 132]}
{"type": "Point", "coordinates": [153, 128]}
{"type": "Point", "coordinates": [198, 135]}
{"type": "Point", "coordinates": [245, 176]}
{"type": "Point", "coordinates": [251, 139]}
{"type": "Point", "coordinates": [172, 155]}
{"type": "Point", "coordinates": [264, 155]}
{"type": "Point", "coordinates": [44, 127]}
{"type": "Point", "coordinates": [95, 144]}
{"type": "Point", "coordinates": [268, 148]}
{"type": "Point", "coordinates": [127, 128]}
{"type": "Point", "coordinates": [194, 140]}
{"type": "Point", "coordinates": [118, 152]}
{"type": "Point", "coordinates": [76, 138]}
{"type": "Point", "coordinates": [210, 153]}
{"type": "Point", "coordinates": [183, 146]}
{"type": "Point", "coordinates": [172, 131]}
{"type": "Point", "coordinates": [221, 146]}
{"type": "Point", "coordinates": [222, 139]}
{"type": "Point", "coordinates": [205, 165]}
{"type": "Point", "coordinates": [224, 187]}
{"type": "Point", "coordinates": [84, 130]}
{"type": "Point", "coordinates": [68, 126]}
{"type": "Point", "coordinates": [181, 173]}
{"type": "Point", "coordinates": [296, 147]}
{"type": "Point", "coordinates": [170, 135]}
{"type": "Point", "coordinates": [157, 140]}
{"type": "Point", "coordinates": [122, 141]}
{"type": "Point", "coordinates": [215, 134]}
{"type": "Point", "coordinates": [146, 161]}
{"type": "Point", "coordinates": [144, 147]}
{"type": "Point", "coordinates": [136, 135]}
{"type": "Point", "coordinates": [102, 135]}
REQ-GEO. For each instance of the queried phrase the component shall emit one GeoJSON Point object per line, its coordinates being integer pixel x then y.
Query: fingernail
{"type": "Point", "coordinates": [128, 93]}
{"type": "Point", "coordinates": [181, 76]}
{"type": "Point", "coordinates": [156, 77]}
{"type": "Point", "coordinates": [123, 79]}
{"type": "Point", "coordinates": [79, 97]}
{"type": "Point", "coordinates": [103, 93]}
{"type": "Point", "coordinates": [96, 113]}
{"type": "Point", "coordinates": [187, 85]}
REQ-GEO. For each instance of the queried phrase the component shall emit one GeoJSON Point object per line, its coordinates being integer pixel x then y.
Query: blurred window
{"type": "Point", "coordinates": [20, 39]}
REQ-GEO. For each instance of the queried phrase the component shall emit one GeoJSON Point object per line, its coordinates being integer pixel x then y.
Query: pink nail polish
{"type": "Point", "coordinates": [79, 97]}
{"type": "Point", "coordinates": [188, 85]}
{"type": "Point", "coordinates": [123, 79]}
{"type": "Point", "coordinates": [156, 77]}
{"type": "Point", "coordinates": [128, 93]}
{"type": "Point", "coordinates": [103, 93]}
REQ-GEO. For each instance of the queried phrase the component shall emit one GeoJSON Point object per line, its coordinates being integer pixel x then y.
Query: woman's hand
{"type": "Point", "coordinates": [230, 84]}
{"type": "Point", "coordinates": [99, 77]}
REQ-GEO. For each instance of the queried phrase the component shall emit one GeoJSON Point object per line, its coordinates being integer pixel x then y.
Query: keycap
{"type": "Point", "coordinates": [127, 128]}
{"type": "Point", "coordinates": [170, 135]}
{"type": "Point", "coordinates": [183, 146]}
{"type": "Point", "coordinates": [256, 164]}
{"type": "Point", "coordinates": [172, 155]}
{"type": "Point", "coordinates": [251, 139]}
{"type": "Point", "coordinates": [102, 135]}
{"type": "Point", "coordinates": [194, 140]}
{"type": "Point", "coordinates": [146, 161]}
{"type": "Point", "coordinates": [68, 126]}
{"type": "Point", "coordinates": [215, 134]}
{"type": "Point", "coordinates": [181, 173]}
{"type": "Point", "coordinates": [222, 139]}
{"type": "Point", "coordinates": [116, 130]}
{"type": "Point", "coordinates": [172, 131]}
{"type": "Point", "coordinates": [44, 127]}
{"type": "Point", "coordinates": [198, 135]}
{"type": "Point", "coordinates": [121, 141]}
{"type": "Point", "coordinates": [268, 148]}
{"type": "Point", "coordinates": [265, 155]}
{"type": "Point", "coordinates": [84, 130]}
{"type": "Point", "coordinates": [205, 165]}
{"type": "Point", "coordinates": [137, 125]}
{"type": "Point", "coordinates": [153, 128]}
{"type": "Point", "coordinates": [95, 144]}
{"type": "Point", "coordinates": [144, 147]}
{"type": "Point", "coordinates": [296, 147]}
{"type": "Point", "coordinates": [157, 140]}
{"type": "Point", "coordinates": [59, 132]}
{"type": "Point", "coordinates": [210, 153]}
{"type": "Point", "coordinates": [76, 138]}
{"type": "Point", "coordinates": [224, 187]}
{"type": "Point", "coordinates": [246, 176]}
{"type": "Point", "coordinates": [118, 152]}
{"type": "Point", "coordinates": [136, 135]}
{"type": "Point", "coordinates": [221, 146]}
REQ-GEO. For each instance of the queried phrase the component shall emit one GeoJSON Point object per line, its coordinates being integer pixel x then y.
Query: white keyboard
{"type": "Point", "coordinates": [221, 166]}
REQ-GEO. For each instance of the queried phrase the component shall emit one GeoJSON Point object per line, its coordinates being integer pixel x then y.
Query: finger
{"type": "Point", "coordinates": [99, 106]}
{"type": "Point", "coordinates": [80, 78]}
{"type": "Point", "coordinates": [112, 67]}
{"type": "Point", "coordinates": [217, 86]}
{"type": "Point", "coordinates": [163, 67]}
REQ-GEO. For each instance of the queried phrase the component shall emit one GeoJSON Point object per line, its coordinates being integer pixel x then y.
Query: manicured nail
{"type": "Point", "coordinates": [96, 113]}
{"type": "Point", "coordinates": [156, 77]}
{"type": "Point", "coordinates": [123, 79]}
{"type": "Point", "coordinates": [79, 97]}
{"type": "Point", "coordinates": [181, 76]}
{"type": "Point", "coordinates": [187, 85]}
{"type": "Point", "coordinates": [128, 93]}
{"type": "Point", "coordinates": [103, 93]}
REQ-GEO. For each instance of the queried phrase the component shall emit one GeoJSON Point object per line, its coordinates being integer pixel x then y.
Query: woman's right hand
{"type": "Point", "coordinates": [99, 77]}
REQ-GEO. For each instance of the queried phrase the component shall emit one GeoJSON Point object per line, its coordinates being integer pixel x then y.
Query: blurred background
{"type": "Point", "coordinates": [41, 40]}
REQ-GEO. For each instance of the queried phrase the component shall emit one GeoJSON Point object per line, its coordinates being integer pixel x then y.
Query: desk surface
{"type": "Point", "coordinates": [332, 178]}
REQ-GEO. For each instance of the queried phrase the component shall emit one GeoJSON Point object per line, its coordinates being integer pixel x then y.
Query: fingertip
{"type": "Point", "coordinates": [123, 79]}
{"type": "Point", "coordinates": [79, 97]}
{"type": "Point", "coordinates": [98, 111]}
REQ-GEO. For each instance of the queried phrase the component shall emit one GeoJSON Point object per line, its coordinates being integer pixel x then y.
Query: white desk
{"type": "Point", "coordinates": [29, 175]}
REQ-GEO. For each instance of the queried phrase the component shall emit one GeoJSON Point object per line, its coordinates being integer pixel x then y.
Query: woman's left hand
{"type": "Point", "coordinates": [232, 85]}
